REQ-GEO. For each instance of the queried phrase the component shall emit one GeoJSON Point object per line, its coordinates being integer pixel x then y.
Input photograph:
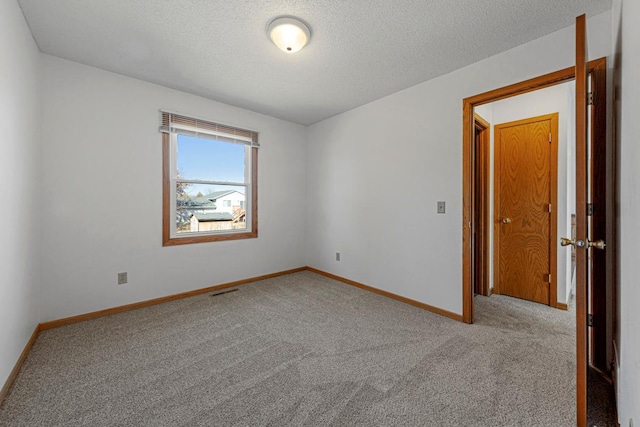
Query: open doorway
{"type": "Point", "coordinates": [535, 125]}
{"type": "Point", "coordinates": [597, 349]}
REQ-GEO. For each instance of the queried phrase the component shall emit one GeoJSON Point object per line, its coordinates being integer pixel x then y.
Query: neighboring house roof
{"type": "Point", "coordinates": [207, 201]}
{"type": "Point", "coordinates": [197, 202]}
{"type": "Point", "coordinates": [212, 197]}
{"type": "Point", "coordinates": [215, 216]}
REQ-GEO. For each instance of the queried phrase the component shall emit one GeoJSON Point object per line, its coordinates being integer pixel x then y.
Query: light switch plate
{"type": "Point", "coordinates": [441, 207]}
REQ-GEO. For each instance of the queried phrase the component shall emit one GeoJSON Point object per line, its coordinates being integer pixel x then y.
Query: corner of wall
{"type": "Point", "coordinates": [20, 109]}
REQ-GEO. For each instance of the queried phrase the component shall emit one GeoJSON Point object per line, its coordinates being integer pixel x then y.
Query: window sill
{"type": "Point", "coordinates": [174, 241]}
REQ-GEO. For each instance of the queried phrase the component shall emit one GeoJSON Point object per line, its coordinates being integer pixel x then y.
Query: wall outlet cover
{"type": "Point", "coordinates": [122, 278]}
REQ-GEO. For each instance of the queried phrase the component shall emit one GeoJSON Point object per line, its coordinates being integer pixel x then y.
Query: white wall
{"type": "Point", "coordinates": [485, 111]}
{"type": "Point", "coordinates": [409, 145]}
{"type": "Point", "coordinates": [104, 167]}
{"type": "Point", "coordinates": [626, 15]}
{"type": "Point", "coordinates": [19, 162]}
{"type": "Point", "coordinates": [554, 99]}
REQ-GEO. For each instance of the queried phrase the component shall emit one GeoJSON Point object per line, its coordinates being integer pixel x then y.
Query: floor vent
{"type": "Point", "coordinates": [225, 291]}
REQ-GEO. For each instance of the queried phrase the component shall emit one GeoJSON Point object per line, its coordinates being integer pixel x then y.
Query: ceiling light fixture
{"type": "Point", "coordinates": [289, 34]}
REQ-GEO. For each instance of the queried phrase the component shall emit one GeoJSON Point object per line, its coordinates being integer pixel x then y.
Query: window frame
{"type": "Point", "coordinates": [169, 238]}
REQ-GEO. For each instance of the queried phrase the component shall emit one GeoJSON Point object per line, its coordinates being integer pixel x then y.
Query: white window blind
{"type": "Point", "coordinates": [177, 123]}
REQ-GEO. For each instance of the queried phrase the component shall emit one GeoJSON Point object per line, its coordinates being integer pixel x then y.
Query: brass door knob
{"type": "Point", "coordinates": [598, 244]}
{"type": "Point", "coordinates": [566, 242]}
{"type": "Point", "coordinates": [570, 242]}
{"type": "Point", "coordinates": [506, 220]}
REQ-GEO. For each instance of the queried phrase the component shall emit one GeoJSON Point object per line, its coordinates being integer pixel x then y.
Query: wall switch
{"type": "Point", "coordinates": [441, 207]}
{"type": "Point", "coordinates": [337, 256]}
{"type": "Point", "coordinates": [122, 278]}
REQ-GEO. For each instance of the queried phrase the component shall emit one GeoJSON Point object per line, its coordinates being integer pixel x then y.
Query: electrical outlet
{"type": "Point", "coordinates": [337, 256]}
{"type": "Point", "coordinates": [441, 207]}
{"type": "Point", "coordinates": [122, 278]}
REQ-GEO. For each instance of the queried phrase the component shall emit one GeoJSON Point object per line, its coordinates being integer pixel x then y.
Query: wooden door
{"type": "Point", "coordinates": [581, 220]}
{"type": "Point", "coordinates": [525, 197]}
{"type": "Point", "coordinates": [591, 279]}
{"type": "Point", "coordinates": [600, 225]}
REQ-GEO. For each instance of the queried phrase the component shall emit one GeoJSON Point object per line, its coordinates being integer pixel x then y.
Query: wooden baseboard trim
{"type": "Point", "coordinates": [562, 306]}
{"type": "Point", "coordinates": [114, 310]}
{"type": "Point", "coordinates": [415, 303]}
{"type": "Point", "coordinates": [16, 369]}
{"type": "Point", "coordinates": [120, 309]}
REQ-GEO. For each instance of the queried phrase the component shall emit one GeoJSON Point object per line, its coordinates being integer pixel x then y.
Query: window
{"type": "Point", "coordinates": [210, 190]}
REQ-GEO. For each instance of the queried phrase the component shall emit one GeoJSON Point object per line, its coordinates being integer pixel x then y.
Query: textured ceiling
{"type": "Point", "coordinates": [360, 50]}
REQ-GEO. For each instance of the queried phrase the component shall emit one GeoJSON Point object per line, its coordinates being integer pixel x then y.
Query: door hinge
{"type": "Point", "coordinates": [589, 319]}
{"type": "Point", "coordinates": [550, 208]}
{"type": "Point", "coordinates": [549, 137]}
{"type": "Point", "coordinates": [590, 98]}
{"type": "Point", "coordinates": [549, 278]}
{"type": "Point", "coordinates": [589, 209]}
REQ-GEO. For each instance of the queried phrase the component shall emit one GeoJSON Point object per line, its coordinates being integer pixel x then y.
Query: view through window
{"type": "Point", "coordinates": [211, 181]}
{"type": "Point", "coordinates": [203, 203]}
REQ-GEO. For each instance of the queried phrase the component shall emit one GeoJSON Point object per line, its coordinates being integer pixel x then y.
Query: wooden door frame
{"type": "Point", "coordinates": [468, 104]}
{"type": "Point", "coordinates": [481, 269]}
{"type": "Point", "coordinates": [553, 195]}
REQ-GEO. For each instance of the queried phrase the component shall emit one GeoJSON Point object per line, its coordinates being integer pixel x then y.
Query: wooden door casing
{"type": "Point", "coordinates": [481, 223]}
{"type": "Point", "coordinates": [525, 197]}
{"type": "Point", "coordinates": [468, 105]}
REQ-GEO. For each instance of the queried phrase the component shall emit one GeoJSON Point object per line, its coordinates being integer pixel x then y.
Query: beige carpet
{"type": "Point", "coordinates": [302, 350]}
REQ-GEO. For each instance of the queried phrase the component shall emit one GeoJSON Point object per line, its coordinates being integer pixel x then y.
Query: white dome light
{"type": "Point", "coordinates": [289, 34]}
